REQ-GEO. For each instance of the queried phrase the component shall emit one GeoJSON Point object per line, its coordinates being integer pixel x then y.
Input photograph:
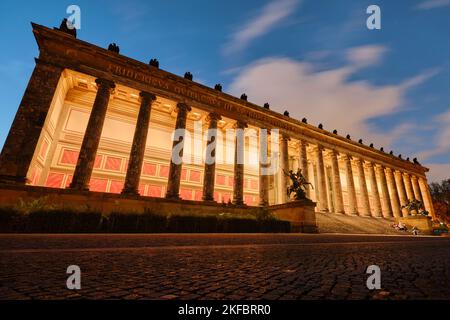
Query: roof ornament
{"type": "Point", "coordinates": [360, 141]}
{"type": "Point", "coordinates": [154, 63]}
{"type": "Point", "coordinates": [320, 126]}
{"type": "Point", "coordinates": [335, 131]}
{"type": "Point", "coordinates": [188, 76]}
{"type": "Point", "coordinates": [114, 48]}
{"type": "Point", "coordinates": [348, 136]}
{"type": "Point", "coordinates": [244, 97]}
{"type": "Point", "coordinates": [286, 113]}
{"type": "Point", "coordinates": [266, 105]}
{"type": "Point", "coordinates": [371, 145]}
{"type": "Point", "coordinates": [218, 87]}
{"type": "Point", "coordinates": [66, 26]}
{"type": "Point", "coordinates": [304, 120]}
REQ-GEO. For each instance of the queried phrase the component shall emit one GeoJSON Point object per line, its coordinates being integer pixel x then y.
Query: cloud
{"type": "Point", "coordinates": [438, 172]}
{"type": "Point", "coordinates": [271, 14]}
{"type": "Point", "coordinates": [328, 96]}
{"type": "Point", "coordinates": [432, 4]}
{"type": "Point", "coordinates": [365, 55]}
{"type": "Point", "coordinates": [442, 141]}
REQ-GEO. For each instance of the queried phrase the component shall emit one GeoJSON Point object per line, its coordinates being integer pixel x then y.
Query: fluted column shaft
{"type": "Point", "coordinates": [238, 185]}
{"type": "Point", "coordinates": [91, 139]}
{"type": "Point", "coordinates": [303, 163]}
{"type": "Point", "coordinates": [427, 200]}
{"type": "Point", "coordinates": [263, 168]}
{"type": "Point", "coordinates": [285, 165]}
{"type": "Point", "coordinates": [395, 200]}
{"type": "Point", "coordinates": [416, 188]}
{"type": "Point", "coordinates": [401, 191]}
{"type": "Point", "coordinates": [136, 159]}
{"type": "Point", "coordinates": [338, 200]}
{"type": "Point", "coordinates": [210, 158]}
{"type": "Point", "coordinates": [351, 192]}
{"type": "Point", "coordinates": [376, 207]}
{"type": "Point", "coordinates": [363, 188]}
{"type": "Point", "coordinates": [173, 183]}
{"type": "Point", "coordinates": [408, 185]}
{"type": "Point", "coordinates": [323, 202]}
{"type": "Point", "coordinates": [386, 199]}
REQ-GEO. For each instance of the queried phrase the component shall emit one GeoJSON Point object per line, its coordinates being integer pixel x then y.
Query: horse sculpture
{"type": "Point", "coordinates": [298, 185]}
{"type": "Point", "coordinates": [415, 206]}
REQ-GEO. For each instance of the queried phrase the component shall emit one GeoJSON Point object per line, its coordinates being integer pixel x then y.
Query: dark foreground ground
{"type": "Point", "coordinates": [233, 266]}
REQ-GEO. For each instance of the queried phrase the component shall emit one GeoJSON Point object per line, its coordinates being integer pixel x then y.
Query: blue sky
{"type": "Point", "coordinates": [315, 58]}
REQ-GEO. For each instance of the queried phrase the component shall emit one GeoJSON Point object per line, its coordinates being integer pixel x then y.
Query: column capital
{"type": "Point", "coordinates": [183, 107]}
{"type": "Point", "coordinates": [240, 124]}
{"type": "Point", "coordinates": [389, 169]}
{"type": "Point", "coordinates": [105, 82]}
{"type": "Point", "coordinates": [213, 116]}
{"type": "Point", "coordinates": [346, 156]}
{"type": "Point", "coordinates": [285, 136]}
{"type": "Point", "coordinates": [369, 164]}
{"type": "Point", "coordinates": [147, 95]}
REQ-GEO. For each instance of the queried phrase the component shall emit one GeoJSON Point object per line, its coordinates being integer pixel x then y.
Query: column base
{"type": "Point", "coordinates": [78, 188]}
{"type": "Point", "coordinates": [173, 196]}
{"type": "Point", "coordinates": [130, 192]}
{"type": "Point", "coordinates": [208, 198]}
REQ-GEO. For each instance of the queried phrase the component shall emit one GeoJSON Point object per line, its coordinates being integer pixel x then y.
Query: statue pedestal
{"type": "Point", "coordinates": [300, 213]}
{"type": "Point", "coordinates": [421, 222]}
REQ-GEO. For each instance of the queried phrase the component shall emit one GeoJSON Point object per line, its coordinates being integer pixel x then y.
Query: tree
{"type": "Point", "coordinates": [440, 193]}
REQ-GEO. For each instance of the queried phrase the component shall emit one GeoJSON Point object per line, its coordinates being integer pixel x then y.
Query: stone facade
{"type": "Point", "coordinates": [76, 82]}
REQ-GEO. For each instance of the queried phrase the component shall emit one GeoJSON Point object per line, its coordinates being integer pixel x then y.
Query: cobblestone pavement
{"type": "Point", "coordinates": [232, 266]}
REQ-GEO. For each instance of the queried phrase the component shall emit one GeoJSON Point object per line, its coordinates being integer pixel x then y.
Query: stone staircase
{"type": "Point", "coordinates": [339, 223]}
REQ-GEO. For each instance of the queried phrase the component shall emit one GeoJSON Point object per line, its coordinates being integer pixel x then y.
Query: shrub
{"type": "Point", "coordinates": [11, 220]}
{"type": "Point", "coordinates": [189, 224]}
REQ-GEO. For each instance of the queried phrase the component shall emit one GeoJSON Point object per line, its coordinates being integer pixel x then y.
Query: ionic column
{"type": "Point", "coordinates": [263, 168]}
{"type": "Point", "coordinates": [284, 165]}
{"type": "Point", "coordinates": [303, 162]}
{"type": "Point", "coordinates": [173, 183]}
{"type": "Point", "coordinates": [238, 186]}
{"type": "Point", "coordinates": [210, 158]}
{"type": "Point", "coordinates": [336, 180]}
{"type": "Point", "coordinates": [374, 190]}
{"type": "Point", "coordinates": [427, 200]}
{"type": "Point", "coordinates": [323, 203]}
{"type": "Point", "coordinates": [416, 188]}
{"type": "Point", "coordinates": [401, 191]}
{"type": "Point", "coordinates": [138, 147]}
{"type": "Point", "coordinates": [351, 192]}
{"type": "Point", "coordinates": [91, 139]}
{"type": "Point", "coordinates": [395, 200]}
{"type": "Point", "coordinates": [386, 202]}
{"type": "Point", "coordinates": [363, 188]}
{"type": "Point", "coordinates": [408, 185]}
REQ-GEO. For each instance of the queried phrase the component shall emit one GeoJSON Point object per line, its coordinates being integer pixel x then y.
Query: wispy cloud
{"type": "Point", "coordinates": [442, 141]}
{"type": "Point", "coordinates": [270, 15]}
{"type": "Point", "coordinates": [328, 96]}
{"type": "Point", "coordinates": [432, 4]}
{"type": "Point", "coordinates": [438, 171]}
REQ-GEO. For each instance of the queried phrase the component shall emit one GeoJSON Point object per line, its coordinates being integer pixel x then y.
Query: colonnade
{"type": "Point", "coordinates": [390, 188]}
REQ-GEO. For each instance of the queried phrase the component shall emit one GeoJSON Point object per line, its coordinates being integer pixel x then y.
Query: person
{"type": "Point", "coordinates": [415, 231]}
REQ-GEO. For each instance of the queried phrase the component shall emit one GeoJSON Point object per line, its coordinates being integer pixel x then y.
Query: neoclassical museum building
{"type": "Point", "coordinates": [93, 121]}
